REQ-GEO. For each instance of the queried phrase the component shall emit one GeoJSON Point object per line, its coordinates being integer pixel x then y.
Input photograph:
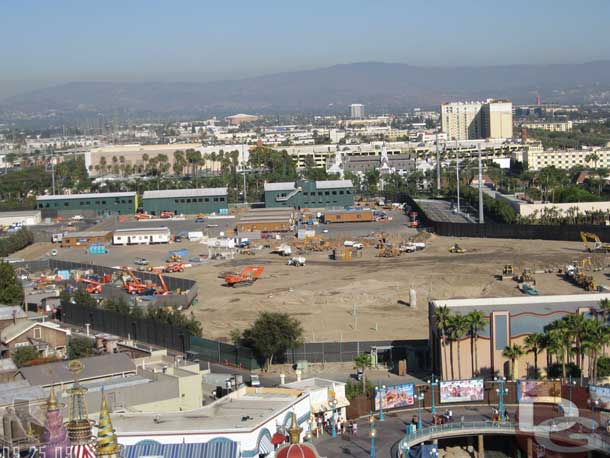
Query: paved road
{"type": "Point", "coordinates": [440, 210]}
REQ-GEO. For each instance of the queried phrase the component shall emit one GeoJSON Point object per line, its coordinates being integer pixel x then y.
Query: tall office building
{"type": "Point", "coordinates": [471, 120]}
{"type": "Point", "coordinates": [356, 111]}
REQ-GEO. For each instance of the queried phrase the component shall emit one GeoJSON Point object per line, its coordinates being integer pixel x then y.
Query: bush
{"type": "Point", "coordinates": [23, 355]}
{"type": "Point", "coordinates": [555, 371]}
{"type": "Point", "coordinates": [603, 366]}
{"type": "Point", "coordinates": [15, 242]}
{"type": "Point", "coordinates": [354, 388]}
{"type": "Point", "coordinates": [79, 347]}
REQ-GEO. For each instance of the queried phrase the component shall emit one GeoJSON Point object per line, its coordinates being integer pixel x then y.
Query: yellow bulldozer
{"type": "Point", "coordinates": [593, 243]}
{"type": "Point", "coordinates": [388, 251]}
{"type": "Point", "coordinates": [456, 249]}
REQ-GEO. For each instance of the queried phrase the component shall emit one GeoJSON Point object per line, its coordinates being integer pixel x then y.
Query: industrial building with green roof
{"type": "Point", "coordinates": [110, 203]}
{"type": "Point", "coordinates": [310, 194]}
{"type": "Point", "coordinates": [185, 201]}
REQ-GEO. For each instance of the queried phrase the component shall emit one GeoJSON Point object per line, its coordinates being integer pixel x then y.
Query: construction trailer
{"type": "Point", "coordinates": [264, 224]}
{"type": "Point", "coordinates": [348, 216]}
{"type": "Point", "coordinates": [109, 203]}
{"type": "Point", "coordinates": [141, 236]}
{"type": "Point", "coordinates": [185, 201]}
{"type": "Point", "coordinates": [313, 194]}
{"type": "Point", "coordinates": [84, 239]}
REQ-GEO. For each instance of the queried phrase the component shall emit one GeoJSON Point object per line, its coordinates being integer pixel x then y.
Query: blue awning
{"type": "Point", "coordinates": [212, 449]}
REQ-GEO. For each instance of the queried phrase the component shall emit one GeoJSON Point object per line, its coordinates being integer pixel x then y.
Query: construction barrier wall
{"type": "Point", "coordinates": [223, 353]}
{"type": "Point", "coordinates": [150, 331]}
{"type": "Point", "coordinates": [567, 232]}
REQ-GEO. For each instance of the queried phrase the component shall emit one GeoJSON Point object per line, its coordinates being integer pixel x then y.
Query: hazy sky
{"type": "Point", "coordinates": [48, 42]}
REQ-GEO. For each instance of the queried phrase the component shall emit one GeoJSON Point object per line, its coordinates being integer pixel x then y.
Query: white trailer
{"type": "Point", "coordinates": [141, 236]}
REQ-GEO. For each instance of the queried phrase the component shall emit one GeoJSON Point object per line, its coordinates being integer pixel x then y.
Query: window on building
{"type": "Point", "coordinates": [65, 204]}
{"type": "Point", "coordinates": [334, 193]}
{"type": "Point", "coordinates": [341, 192]}
{"type": "Point", "coordinates": [40, 205]}
{"type": "Point", "coordinates": [130, 201]}
{"type": "Point", "coordinates": [37, 333]}
{"type": "Point", "coordinates": [188, 201]}
{"type": "Point", "coordinates": [215, 199]}
{"type": "Point", "coordinates": [47, 205]}
{"type": "Point", "coordinates": [97, 202]}
{"type": "Point", "coordinates": [207, 199]}
{"type": "Point", "coordinates": [82, 203]}
{"type": "Point", "coordinates": [222, 199]}
{"type": "Point", "coordinates": [200, 199]}
{"type": "Point", "coordinates": [327, 193]}
{"type": "Point", "coordinates": [347, 191]}
{"type": "Point", "coordinates": [181, 201]}
{"type": "Point", "coordinates": [175, 201]}
{"type": "Point", "coordinates": [103, 202]}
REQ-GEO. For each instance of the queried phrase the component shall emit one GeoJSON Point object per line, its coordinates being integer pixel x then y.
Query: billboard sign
{"type": "Point", "coordinates": [395, 396]}
{"type": "Point", "coordinates": [462, 390]}
{"type": "Point", "coordinates": [539, 391]}
{"type": "Point", "coordinates": [601, 394]}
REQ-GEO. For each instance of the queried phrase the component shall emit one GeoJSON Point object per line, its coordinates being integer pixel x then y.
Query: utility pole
{"type": "Point", "coordinates": [243, 164]}
{"type": "Point", "coordinates": [457, 177]}
{"type": "Point", "coordinates": [438, 168]}
{"type": "Point", "coordinates": [53, 172]}
{"type": "Point", "coordinates": [481, 215]}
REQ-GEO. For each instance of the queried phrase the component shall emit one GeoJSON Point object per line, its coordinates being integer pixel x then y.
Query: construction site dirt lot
{"type": "Point", "coordinates": [324, 294]}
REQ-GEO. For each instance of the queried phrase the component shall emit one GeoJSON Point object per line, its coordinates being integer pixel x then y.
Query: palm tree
{"type": "Point", "coordinates": [513, 352]}
{"type": "Point", "coordinates": [533, 344]}
{"type": "Point", "coordinates": [477, 322]}
{"type": "Point", "coordinates": [459, 327]}
{"type": "Point", "coordinates": [442, 316]}
{"type": "Point", "coordinates": [362, 361]}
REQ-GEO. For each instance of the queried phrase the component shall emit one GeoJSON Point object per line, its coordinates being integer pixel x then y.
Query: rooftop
{"type": "Point", "coordinates": [7, 311]}
{"type": "Point", "coordinates": [20, 213]}
{"type": "Point", "coordinates": [242, 410]}
{"type": "Point", "coordinates": [196, 192]}
{"type": "Point", "coordinates": [312, 384]}
{"type": "Point", "coordinates": [283, 186]}
{"type": "Point", "coordinates": [142, 229]}
{"type": "Point", "coordinates": [94, 367]}
{"type": "Point", "coordinates": [100, 195]}
{"type": "Point", "coordinates": [20, 391]}
{"type": "Point", "coordinates": [86, 234]}
{"type": "Point", "coordinates": [329, 184]}
{"type": "Point", "coordinates": [523, 304]}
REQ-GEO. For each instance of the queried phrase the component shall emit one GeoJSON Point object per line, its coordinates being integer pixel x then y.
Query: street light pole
{"type": "Point", "coordinates": [432, 382]}
{"type": "Point", "coordinates": [571, 384]}
{"type": "Point", "coordinates": [420, 398]}
{"type": "Point", "coordinates": [501, 390]}
{"type": "Point", "coordinates": [438, 168]}
{"type": "Point", "coordinates": [380, 389]}
{"type": "Point", "coordinates": [333, 404]}
{"type": "Point", "coordinates": [372, 434]}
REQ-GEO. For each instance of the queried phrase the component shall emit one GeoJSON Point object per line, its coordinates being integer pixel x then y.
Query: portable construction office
{"type": "Point", "coordinates": [141, 236]}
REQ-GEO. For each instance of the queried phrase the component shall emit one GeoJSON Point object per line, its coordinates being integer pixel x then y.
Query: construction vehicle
{"type": "Point", "coordinates": [576, 275]}
{"type": "Point", "coordinates": [527, 276]}
{"type": "Point", "coordinates": [283, 250]}
{"type": "Point", "coordinates": [247, 251]}
{"type": "Point", "coordinates": [508, 273]}
{"type": "Point", "coordinates": [163, 290]}
{"type": "Point", "coordinates": [174, 267]}
{"type": "Point", "coordinates": [143, 216]}
{"type": "Point", "coordinates": [456, 249]}
{"type": "Point", "coordinates": [133, 285]}
{"type": "Point", "coordinates": [166, 214]}
{"type": "Point", "coordinates": [593, 243]}
{"type": "Point", "coordinates": [93, 287]}
{"type": "Point", "coordinates": [246, 277]}
{"type": "Point", "coordinates": [297, 261]}
{"type": "Point", "coordinates": [388, 251]}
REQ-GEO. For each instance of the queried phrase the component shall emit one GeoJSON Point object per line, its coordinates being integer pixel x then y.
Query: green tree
{"type": "Point", "coordinates": [458, 328]}
{"type": "Point", "coordinates": [23, 355]}
{"type": "Point", "coordinates": [11, 291]}
{"type": "Point", "coordinates": [363, 361]}
{"type": "Point", "coordinates": [477, 322]}
{"type": "Point", "coordinates": [273, 333]}
{"type": "Point", "coordinates": [533, 344]}
{"type": "Point", "coordinates": [513, 353]}
{"type": "Point", "coordinates": [442, 318]}
{"type": "Point", "coordinates": [79, 347]}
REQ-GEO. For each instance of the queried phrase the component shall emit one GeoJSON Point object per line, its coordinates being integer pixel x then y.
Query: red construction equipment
{"type": "Point", "coordinates": [94, 287]}
{"type": "Point", "coordinates": [133, 285]}
{"type": "Point", "coordinates": [174, 267]}
{"type": "Point", "coordinates": [246, 277]}
{"type": "Point", "coordinates": [167, 214]}
{"type": "Point", "coordinates": [163, 291]}
{"type": "Point", "coordinates": [141, 216]}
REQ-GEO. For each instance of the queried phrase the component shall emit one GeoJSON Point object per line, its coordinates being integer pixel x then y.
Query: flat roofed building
{"type": "Point", "coordinates": [561, 126]}
{"type": "Point", "coordinates": [111, 203]}
{"type": "Point", "coordinates": [309, 194]}
{"type": "Point", "coordinates": [236, 120]}
{"type": "Point", "coordinates": [185, 201]}
{"type": "Point", "coordinates": [84, 239]}
{"type": "Point", "coordinates": [243, 421]}
{"type": "Point", "coordinates": [23, 218]}
{"type": "Point", "coordinates": [538, 158]}
{"type": "Point", "coordinates": [141, 236]}
{"type": "Point", "coordinates": [509, 321]}
{"type": "Point", "coordinates": [470, 120]}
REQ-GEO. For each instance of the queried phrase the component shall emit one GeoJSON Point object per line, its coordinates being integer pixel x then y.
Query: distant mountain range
{"type": "Point", "coordinates": [381, 86]}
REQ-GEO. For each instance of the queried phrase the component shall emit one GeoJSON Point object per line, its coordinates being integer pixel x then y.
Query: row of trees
{"type": "Point", "coordinates": [589, 134]}
{"type": "Point", "coordinates": [568, 342]}
{"type": "Point", "coordinates": [11, 291]}
{"type": "Point", "coordinates": [15, 242]}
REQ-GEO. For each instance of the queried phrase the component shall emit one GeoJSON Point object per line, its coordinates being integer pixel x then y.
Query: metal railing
{"type": "Point", "coordinates": [506, 427]}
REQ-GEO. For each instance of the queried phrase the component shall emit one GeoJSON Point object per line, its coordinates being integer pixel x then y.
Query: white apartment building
{"type": "Point", "coordinates": [537, 158]}
{"type": "Point", "coordinates": [563, 126]}
{"type": "Point", "coordinates": [356, 111]}
{"type": "Point", "coordinates": [471, 120]}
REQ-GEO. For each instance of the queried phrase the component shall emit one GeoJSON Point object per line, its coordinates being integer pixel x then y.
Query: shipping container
{"type": "Point", "coordinates": [348, 216]}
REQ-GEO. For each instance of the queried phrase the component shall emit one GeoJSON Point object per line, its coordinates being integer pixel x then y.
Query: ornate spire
{"type": "Point", "coordinates": [294, 431]}
{"type": "Point", "coordinates": [107, 445]}
{"type": "Point", "coordinates": [79, 426]}
{"type": "Point", "coordinates": [55, 442]}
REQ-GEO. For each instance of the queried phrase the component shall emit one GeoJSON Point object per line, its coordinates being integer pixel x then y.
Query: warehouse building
{"type": "Point", "coordinates": [111, 203]}
{"type": "Point", "coordinates": [185, 201]}
{"type": "Point", "coordinates": [84, 239]}
{"type": "Point", "coordinates": [313, 194]}
{"type": "Point", "coordinates": [141, 236]}
{"type": "Point", "coordinates": [20, 218]}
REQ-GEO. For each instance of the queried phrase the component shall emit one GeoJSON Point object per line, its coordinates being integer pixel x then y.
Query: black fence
{"type": "Point", "coordinates": [415, 352]}
{"type": "Point", "coordinates": [144, 330]}
{"type": "Point", "coordinates": [567, 232]}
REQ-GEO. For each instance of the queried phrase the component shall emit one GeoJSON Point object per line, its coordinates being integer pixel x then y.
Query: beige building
{"type": "Point", "coordinates": [471, 120]}
{"type": "Point", "coordinates": [537, 158]}
{"type": "Point", "coordinates": [238, 119]}
{"type": "Point", "coordinates": [564, 126]}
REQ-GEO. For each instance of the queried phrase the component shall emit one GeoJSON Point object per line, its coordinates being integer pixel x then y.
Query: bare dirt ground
{"type": "Point", "coordinates": [323, 294]}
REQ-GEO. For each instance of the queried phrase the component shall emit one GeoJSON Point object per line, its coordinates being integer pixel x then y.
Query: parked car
{"type": "Point", "coordinates": [141, 262]}
{"type": "Point", "coordinates": [53, 252]}
{"type": "Point", "coordinates": [178, 239]}
{"type": "Point", "coordinates": [200, 220]}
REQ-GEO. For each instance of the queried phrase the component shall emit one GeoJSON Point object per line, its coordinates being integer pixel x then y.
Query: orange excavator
{"type": "Point", "coordinates": [246, 277]}
{"type": "Point", "coordinates": [133, 285]}
{"type": "Point", "coordinates": [163, 290]}
{"type": "Point", "coordinates": [174, 267]}
{"type": "Point", "coordinates": [93, 287]}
